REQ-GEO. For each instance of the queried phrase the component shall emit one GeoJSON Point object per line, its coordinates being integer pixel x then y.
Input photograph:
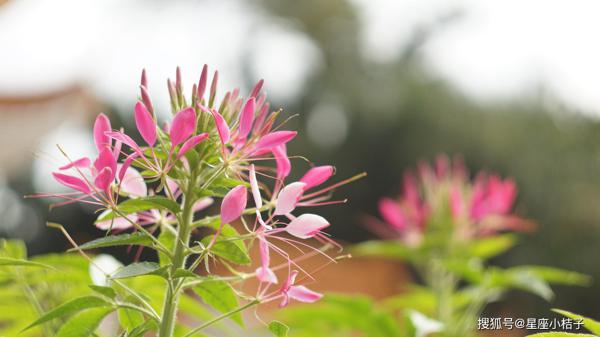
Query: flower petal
{"type": "Point", "coordinates": [191, 143]}
{"type": "Point", "coordinates": [79, 163]}
{"type": "Point", "coordinates": [183, 126]}
{"type": "Point", "coordinates": [106, 159]}
{"type": "Point", "coordinates": [132, 183]}
{"type": "Point", "coordinates": [317, 175]}
{"type": "Point", "coordinates": [266, 275]}
{"type": "Point", "coordinates": [117, 223]}
{"type": "Point", "coordinates": [104, 178]}
{"type": "Point", "coordinates": [145, 124]}
{"type": "Point", "coordinates": [274, 139]}
{"type": "Point", "coordinates": [284, 166]}
{"type": "Point", "coordinates": [288, 198]}
{"type": "Point", "coordinates": [254, 186]}
{"type": "Point", "coordinates": [303, 294]}
{"type": "Point", "coordinates": [221, 124]}
{"type": "Point", "coordinates": [72, 182]}
{"type": "Point", "coordinates": [125, 139]}
{"type": "Point", "coordinates": [392, 213]}
{"type": "Point", "coordinates": [306, 226]}
{"type": "Point", "coordinates": [233, 204]}
{"type": "Point", "coordinates": [202, 204]}
{"type": "Point", "coordinates": [101, 126]}
{"type": "Point", "coordinates": [246, 119]}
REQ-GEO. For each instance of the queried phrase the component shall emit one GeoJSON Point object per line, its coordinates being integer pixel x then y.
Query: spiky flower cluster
{"type": "Point", "coordinates": [207, 151]}
{"type": "Point", "coordinates": [442, 198]}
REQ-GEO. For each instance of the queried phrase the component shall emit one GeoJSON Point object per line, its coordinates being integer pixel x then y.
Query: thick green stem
{"type": "Point", "coordinates": [169, 313]}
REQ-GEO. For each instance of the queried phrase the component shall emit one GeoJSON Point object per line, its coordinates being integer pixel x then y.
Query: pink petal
{"type": "Point", "coordinates": [72, 182]}
{"type": "Point", "coordinates": [392, 213]}
{"type": "Point", "coordinates": [257, 88]}
{"type": "Point", "coordinates": [145, 124]}
{"type": "Point", "coordinates": [284, 167]}
{"type": "Point", "coordinates": [126, 165]}
{"type": "Point", "coordinates": [317, 175]}
{"type": "Point", "coordinates": [456, 203]}
{"type": "Point", "coordinates": [246, 119]}
{"type": "Point", "coordinates": [288, 198]}
{"type": "Point", "coordinates": [125, 139]}
{"type": "Point", "coordinates": [274, 139]}
{"type": "Point", "coordinates": [132, 183]}
{"type": "Point", "coordinates": [233, 204]}
{"type": "Point", "coordinates": [79, 163]}
{"type": "Point", "coordinates": [303, 294]}
{"type": "Point", "coordinates": [202, 82]}
{"type": "Point", "coordinates": [106, 159]}
{"type": "Point", "coordinates": [202, 204]}
{"type": "Point", "coordinates": [222, 127]}
{"type": "Point", "coordinates": [266, 275]}
{"type": "Point", "coordinates": [104, 178]}
{"type": "Point", "coordinates": [191, 143]}
{"type": "Point", "coordinates": [101, 126]}
{"type": "Point", "coordinates": [184, 125]}
{"type": "Point", "coordinates": [306, 226]}
{"type": "Point", "coordinates": [117, 223]}
{"type": "Point", "coordinates": [254, 187]}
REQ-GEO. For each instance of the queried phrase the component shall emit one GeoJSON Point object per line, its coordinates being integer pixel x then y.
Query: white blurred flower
{"type": "Point", "coordinates": [424, 325]}
{"type": "Point", "coordinates": [102, 266]}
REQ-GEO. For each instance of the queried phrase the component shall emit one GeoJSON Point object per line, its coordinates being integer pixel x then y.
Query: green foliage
{"type": "Point", "coordinates": [228, 246]}
{"type": "Point", "coordinates": [137, 238]}
{"type": "Point", "coordinates": [137, 269]}
{"type": "Point", "coordinates": [219, 295]}
{"type": "Point", "coordinates": [278, 329]}
{"type": "Point", "coordinates": [130, 206]}
{"type": "Point", "coordinates": [83, 324]}
{"type": "Point", "coordinates": [71, 307]}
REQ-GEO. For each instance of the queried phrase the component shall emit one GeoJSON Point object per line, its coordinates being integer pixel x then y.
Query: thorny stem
{"type": "Point", "coordinates": [169, 313]}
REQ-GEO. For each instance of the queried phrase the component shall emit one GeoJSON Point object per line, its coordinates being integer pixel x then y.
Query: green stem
{"type": "Point", "coordinates": [169, 313]}
{"type": "Point", "coordinates": [32, 299]}
{"type": "Point", "coordinates": [221, 317]}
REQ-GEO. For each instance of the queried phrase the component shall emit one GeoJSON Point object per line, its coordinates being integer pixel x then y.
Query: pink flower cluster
{"type": "Point", "coordinates": [444, 191]}
{"type": "Point", "coordinates": [240, 131]}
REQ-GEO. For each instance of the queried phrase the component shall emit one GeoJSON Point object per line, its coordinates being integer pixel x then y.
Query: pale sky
{"type": "Point", "coordinates": [498, 49]}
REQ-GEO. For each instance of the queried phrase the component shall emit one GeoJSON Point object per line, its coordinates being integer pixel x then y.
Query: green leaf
{"type": "Point", "coordinates": [555, 275]}
{"type": "Point", "coordinates": [489, 247]}
{"type": "Point", "coordinates": [13, 248]}
{"type": "Point", "coordinates": [137, 269]}
{"type": "Point", "coordinates": [278, 329]}
{"type": "Point", "coordinates": [141, 330]}
{"type": "Point", "coordinates": [106, 291]}
{"type": "Point", "coordinates": [138, 238]}
{"type": "Point", "coordinates": [83, 324]}
{"type": "Point", "coordinates": [8, 261]}
{"type": "Point", "coordinates": [560, 334]}
{"type": "Point", "coordinates": [219, 295]}
{"type": "Point", "coordinates": [129, 318]}
{"type": "Point", "coordinates": [167, 238]}
{"type": "Point", "coordinates": [68, 308]}
{"type": "Point", "coordinates": [141, 204]}
{"type": "Point", "coordinates": [524, 280]}
{"type": "Point", "coordinates": [388, 249]}
{"type": "Point", "coordinates": [231, 250]}
{"type": "Point", "coordinates": [590, 324]}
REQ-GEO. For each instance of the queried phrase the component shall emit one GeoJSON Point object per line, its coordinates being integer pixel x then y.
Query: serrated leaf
{"type": "Point", "coordinates": [231, 250]}
{"type": "Point", "coordinates": [83, 324]}
{"type": "Point", "coordinates": [590, 324]}
{"type": "Point", "coordinates": [278, 329]}
{"type": "Point", "coordinates": [8, 261]}
{"type": "Point", "coordinates": [106, 291]}
{"type": "Point", "coordinates": [71, 307]}
{"type": "Point", "coordinates": [138, 238]}
{"type": "Point", "coordinates": [137, 269]}
{"type": "Point", "coordinates": [219, 295]}
{"type": "Point", "coordinates": [141, 204]}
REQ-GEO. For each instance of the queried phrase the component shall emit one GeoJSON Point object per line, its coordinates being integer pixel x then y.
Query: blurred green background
{"type": "Point", "coordinates": [382, 116]}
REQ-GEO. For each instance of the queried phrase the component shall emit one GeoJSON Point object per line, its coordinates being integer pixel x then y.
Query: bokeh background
{"type": "Point", "coordinates": [377, 85]}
